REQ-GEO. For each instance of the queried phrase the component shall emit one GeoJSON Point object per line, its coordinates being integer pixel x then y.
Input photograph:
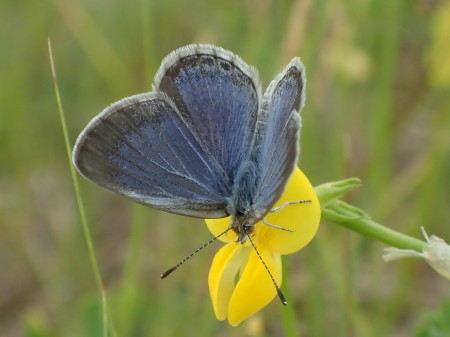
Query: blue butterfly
{"type": "Point", "coordinates": [204, 143]}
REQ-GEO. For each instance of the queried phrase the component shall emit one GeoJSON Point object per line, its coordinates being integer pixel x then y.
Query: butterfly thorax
{"type": "Point", "coordinates": [240, 204]}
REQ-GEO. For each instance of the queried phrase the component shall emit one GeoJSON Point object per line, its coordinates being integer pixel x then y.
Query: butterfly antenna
{"type": "Point", "coordinates": [170, 270]}
{"type": "Point", "coordinates": [279, 292]}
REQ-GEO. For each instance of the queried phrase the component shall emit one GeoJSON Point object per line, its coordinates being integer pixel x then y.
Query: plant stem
{"type": "Point", "coordinates": [288, 315]}
{"type": "Point", "coordinates": [86, 231]}
{"type": "Point", "coordinates": [354, 219]}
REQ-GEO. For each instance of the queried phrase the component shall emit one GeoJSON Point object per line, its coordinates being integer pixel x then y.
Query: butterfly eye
{"type": "Point", "coordinates": [249, 229]}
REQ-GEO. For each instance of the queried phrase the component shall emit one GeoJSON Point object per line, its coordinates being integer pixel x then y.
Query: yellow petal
{"type": "Point", "coordinates": [217, 226]}
{"type": "Point", "coordinates": [222, 275]}
{"type": "Point", "coordinates": [255, 288]}
{"type": "Point", "coordinates": [303, 218]}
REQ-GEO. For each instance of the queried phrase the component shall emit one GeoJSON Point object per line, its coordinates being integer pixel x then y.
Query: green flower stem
{"type": "Point", "coordinates": [353, 218]}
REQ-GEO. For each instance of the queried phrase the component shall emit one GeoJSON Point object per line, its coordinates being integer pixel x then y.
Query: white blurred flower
{"type": "Point", "coordinates": [436, 253]}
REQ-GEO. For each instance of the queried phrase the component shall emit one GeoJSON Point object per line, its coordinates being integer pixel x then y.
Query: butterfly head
{"type": "Point", "coordinates": [243, 225]}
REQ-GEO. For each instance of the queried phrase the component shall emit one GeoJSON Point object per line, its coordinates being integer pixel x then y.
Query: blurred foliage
{"type": "Point", "coordinates": [439, 51]}
{"type": "Point", "coordinates": [436, 323]}
{"type": "Point", "coordinates": [378, 100]}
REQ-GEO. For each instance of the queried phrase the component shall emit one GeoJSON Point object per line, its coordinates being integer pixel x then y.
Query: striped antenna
{"type": "Point", "coordinates": [172, 269]}
{"type": "Point", "coordinates": [279, 292]}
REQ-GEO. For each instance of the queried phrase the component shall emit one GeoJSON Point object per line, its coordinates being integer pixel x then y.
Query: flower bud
{"type": "Point", "coordinates": [436, 253]}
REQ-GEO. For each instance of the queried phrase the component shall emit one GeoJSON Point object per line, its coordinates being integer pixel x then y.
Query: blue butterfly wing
{"type": "Point", "coordinates": [177, 149]}
{"type": "Point", "coordinates": [139, 147]}
{"type": "Point", "coordinates": [217, 95]}
{"type": "Point", "coordinates": [276, 143]}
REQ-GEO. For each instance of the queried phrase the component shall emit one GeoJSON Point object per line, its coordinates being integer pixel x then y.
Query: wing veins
{"type": "Point", "coordinates": [170, 147]}
{"type": "Point", "coordinates": [175, 172]}
{"type": "Point", "coordinates": [143, 170]}
{"type": "Point", "coordinates": [213, 157]}
{"type": "Point", "coordinates": [126, 141]}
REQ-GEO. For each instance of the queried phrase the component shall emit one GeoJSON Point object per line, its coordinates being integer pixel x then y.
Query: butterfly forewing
{"type": "Point", "coordinates": [276, 143]}
{"type": "Point", "coordinates": [217, 95]}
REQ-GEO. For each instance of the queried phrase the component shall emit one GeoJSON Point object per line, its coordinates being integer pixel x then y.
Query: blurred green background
{"type": "Point", "coordinates": [378, 100]}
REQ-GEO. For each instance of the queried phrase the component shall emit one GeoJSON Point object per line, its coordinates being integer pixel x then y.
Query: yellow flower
{"type": "Point", "coordinates": [254, 289]}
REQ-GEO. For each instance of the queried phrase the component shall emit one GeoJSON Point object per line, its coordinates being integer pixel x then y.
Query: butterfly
{"type": "Point", "coordinates": [205, 142]}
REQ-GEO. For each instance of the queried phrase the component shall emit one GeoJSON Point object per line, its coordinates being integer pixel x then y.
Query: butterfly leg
{"type": "Point", "coordinates": [279, 208]}
{"type": "Point", "coordinates": [275, 226]}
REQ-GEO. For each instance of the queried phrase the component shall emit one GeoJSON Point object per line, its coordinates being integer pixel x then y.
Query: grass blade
{"type": "Point", "coordinates": [86, 231]}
